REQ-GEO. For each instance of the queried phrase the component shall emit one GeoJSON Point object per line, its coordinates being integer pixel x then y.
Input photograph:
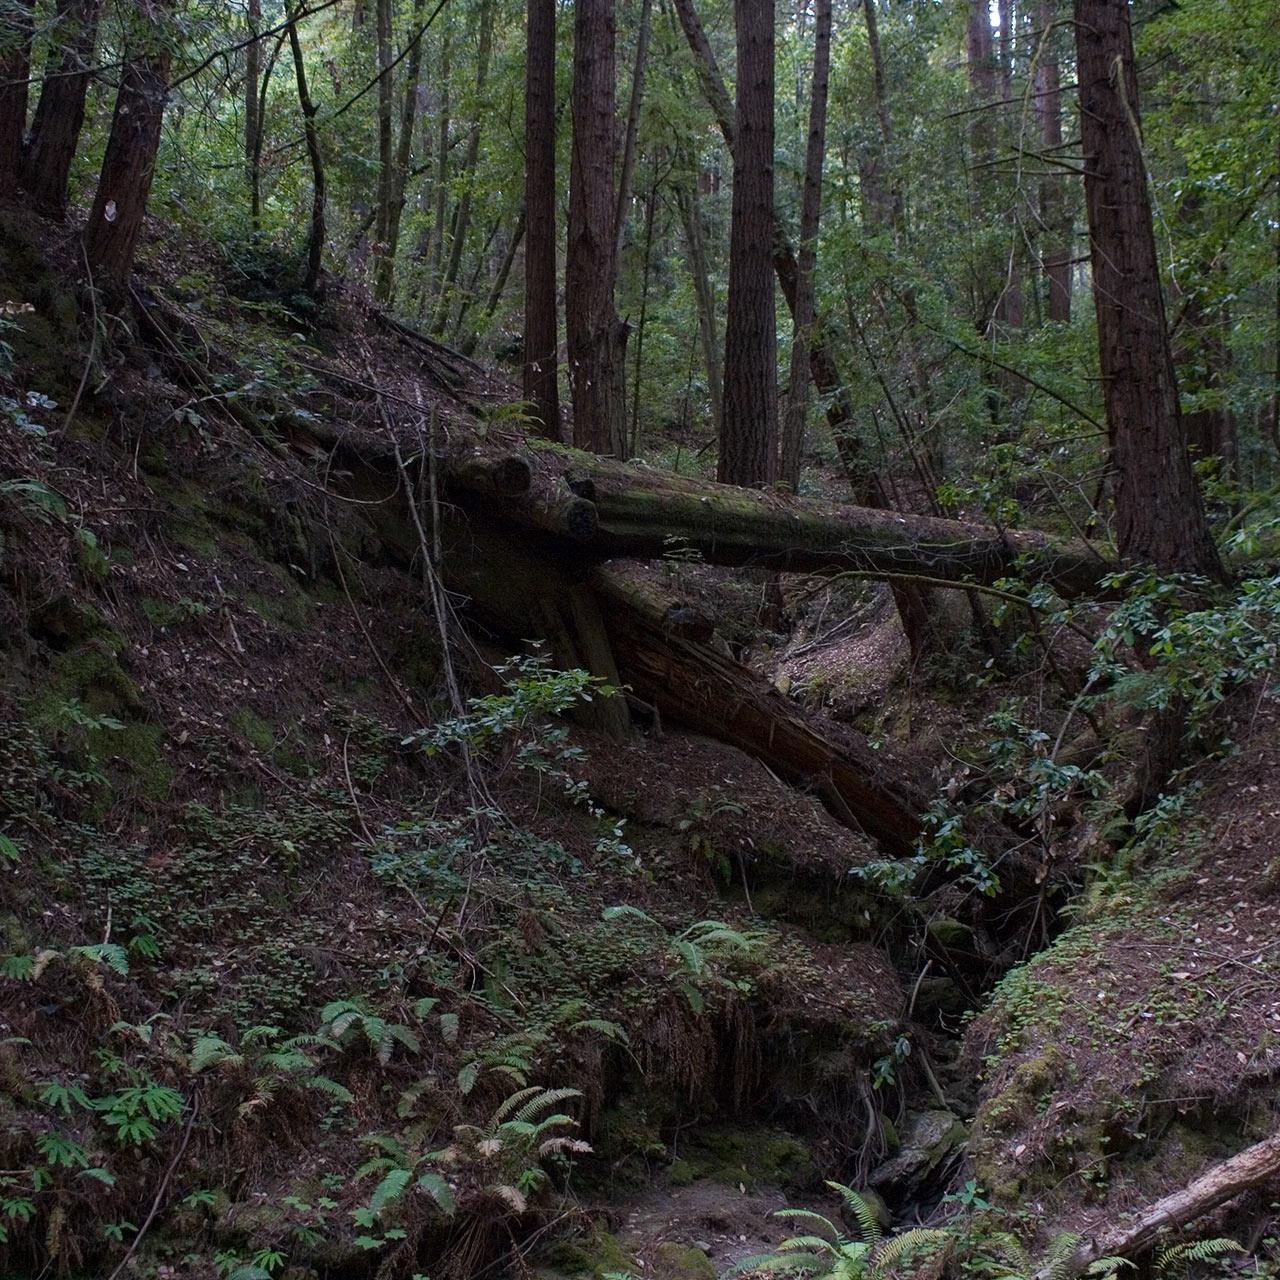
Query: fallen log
{"type": "Point", "coordinates": [1225, 1181]}
{"type": "Point", "coordinates": [642, 513]}
{"type": "Point", "coordinates": [881, 794]}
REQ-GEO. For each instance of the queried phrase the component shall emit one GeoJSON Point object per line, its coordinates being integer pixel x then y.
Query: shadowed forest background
{"type": "Point", "coordinates": [638, 639]}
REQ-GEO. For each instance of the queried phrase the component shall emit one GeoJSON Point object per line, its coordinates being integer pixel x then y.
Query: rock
{"type": "Point", "coordinates": [940, 996]}
{"type": "Point", "coordinates": [672, 1261]}
{"type": "Point", "coordinates": [927, 1139]}
{"type": "Point", "coordinates": [950, 933]}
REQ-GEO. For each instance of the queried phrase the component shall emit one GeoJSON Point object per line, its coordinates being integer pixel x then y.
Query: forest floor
{"type": "Point", "coordinates": [283, 985]}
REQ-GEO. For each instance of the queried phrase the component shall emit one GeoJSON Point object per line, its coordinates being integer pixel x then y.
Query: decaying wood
{"type": "Point", "coordinates": [645, 514]}
{"type": "Point", "coordinates": [881, 794]}
{"type": "Point", "coordinates": [1223, 1182]}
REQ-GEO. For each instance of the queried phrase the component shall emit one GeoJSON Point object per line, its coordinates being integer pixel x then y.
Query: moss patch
{"type": "Point", "coordinates": [757, 1157]}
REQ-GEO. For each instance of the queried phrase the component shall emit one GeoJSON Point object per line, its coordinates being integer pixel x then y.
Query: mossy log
{"type": "Point", "coordinates": [640, 513]}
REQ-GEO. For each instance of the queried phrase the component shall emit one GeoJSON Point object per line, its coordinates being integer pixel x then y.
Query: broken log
{"type": "Point", "coordinates": [1250, 1168]}
{"type": "Point", "coordinates": [881, 794]}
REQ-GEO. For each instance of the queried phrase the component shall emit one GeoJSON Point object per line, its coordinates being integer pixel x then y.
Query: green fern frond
{"type": "Point", "coordinates": [1107, 1267]}
{"type": "Point", "coordinates": [1195, 1251]}
{"type": "Point", "coordinates": [808, 1215]}
{"type": "Point", "coordinates": [862, 1211]}
{"type": "Point", "coordinates": [918, 1240]}
{"type": "Point", "coordinates": [1056, 1264]}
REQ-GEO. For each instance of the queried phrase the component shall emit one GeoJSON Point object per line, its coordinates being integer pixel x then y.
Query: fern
{"type": "Point", "coordinates": [861, 1210]}
{"type": "Point", "coordinates": [1195, 1251]}
{"type": "Point", "coordinates": [918, 1240]}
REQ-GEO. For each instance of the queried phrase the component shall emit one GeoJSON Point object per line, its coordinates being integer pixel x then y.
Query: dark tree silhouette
{"type": "Point", "coordinates": [749, 434]}
{"type": "Point", "coordinates": [541, 368]}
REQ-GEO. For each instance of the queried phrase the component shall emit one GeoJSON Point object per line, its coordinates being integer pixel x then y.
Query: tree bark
{"type": "Point", "coordinates": [440, 210]}
{"type": "Point", "coordinates": [810, 214]}
{"type": "Point", "coordinates": [541, 329]}
{"type": "Point", "coordinates": [252, 118]}
{"type": "Point", "coordinates": [319, 186]}
{"type": "Point", "coordinates": [1159, 515]}
{"type": "Point", "coordinates": [826, 374]}
{"type": "Point", "coordinates": [386, 144]}
{"type": "Point", "coordinates": [1055, 210]}
{"type": "Point", "coordinates": [15, 71]}
{"type": "Point", "coordinates": [749, 433]}
{"type": "Point", "coordinates": [59, 117]}
{"type": "Point", "coordinates": [597, 339]}
{"type": "Point", "coordinates": [124, 184]}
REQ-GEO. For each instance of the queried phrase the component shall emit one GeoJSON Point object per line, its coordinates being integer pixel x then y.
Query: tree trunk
{"type": "Point", "coordinates": [541, 330]}
{"type": "Point", "coordinates": [887, 198]}
{"type": "Point", "coordinates": [749, 434]}
{"type": "Point", "coordinates": [499, 287]}
{"type": "Point", "coordinates": [1159, 515]}
{"type": "Point", "coordinates": [319, 187]}
{"type": "Point", "coordinates": [386, 146]}
{"type": "Point", "coordinates": [633, 124]}
{"type": "Point", "coordinates": [462, 214]}
{"type": "Point", "coordinates": [1055, 211]}
{"type": "Point", "coordinates": [384, 280]}
{"type": "Point", "coordinates": [15, 71]}
{"type": "Point", "coordinates": [59, 117]}
{"type": "Point", "coordinates": [252, 119]}
{"type": "Point", "coordinates": [650, 209]}
{"type": "Point", "coordinates": [826, 374]}
{"type": "Point", "coordinates": [120, 204]}
{"type": "Point", "coordinates": [810, 213]}
{"type": "Point", "coordinates": [597, 338]}
{"type": "Point", "coordinates": [439, 213]}
{"type": "Point", "coordinates": [703, 294]}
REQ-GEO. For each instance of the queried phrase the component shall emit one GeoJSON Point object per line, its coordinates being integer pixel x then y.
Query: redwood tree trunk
{"type": "Point", "coordinates": [810, 212]}
{"type": "Point", "coordinates": [1055, 212]}
{"type": "Point", "coordinates": [541, 337]}
{"type": "Point", "coordinates": [1159, 515]}
{"type": "Point", "coordinates": [386, 146]}
{"type": "Point", "coordinates": [749, 434]}
{"type": "Point", "coordinates": [55, 131]}
{"type": "Point", "coordinates": [252, 116]}
{"type": "Point", "coordinates": [115, 221]}
{"type": "Point", "coordinates": [597, 339]}
{"type": "Point", "coordinates": [15, 70]}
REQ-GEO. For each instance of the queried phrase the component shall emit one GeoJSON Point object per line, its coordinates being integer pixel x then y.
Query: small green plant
{"type": "Point", "coordinates": [828, 1254]}
{"type": "Point", "coordinates": [350, 1022]}
{"type": "Point", "coordinates": [696, 948]}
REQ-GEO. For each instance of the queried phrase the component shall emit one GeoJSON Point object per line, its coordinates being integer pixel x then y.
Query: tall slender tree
{"type": "Point", "coordinates": [810, 213]}
{"type": "Point", "coordinates": [385, 280]}
{"type": "Point", "coordinates": [597, 339]}
{"type": "Point", "coordinates": [124, 184]}
{"type": "Point", "coordinates": [1159, 515]}
{"type": "Point", "coordinates": [749, 433]}
{"type": "Point", "coordinates": [462, 211]}
{"type": "Point", "coordinates": [541, 340]}
{"type": "Point", "coordinates": [59, 115]}
{"type": "Point", "coordinates": [252, 110]}
{"type": "Point", "coordinates": [15, 72]}
{"type": "Point", "coordinates": [319, 182]}
{"type": "Point", "coordinates": [1055, 208]}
